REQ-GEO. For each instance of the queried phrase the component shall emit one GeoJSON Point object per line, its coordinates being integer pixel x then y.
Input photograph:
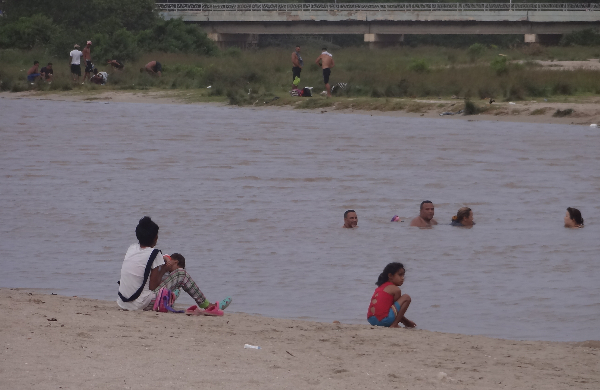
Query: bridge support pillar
{"type": "Point", "coordinates": [243, 41]}
{"type": "Point", "coordinates": [544, 39]}
{"type": "Point", "coordinates": [383, 40]}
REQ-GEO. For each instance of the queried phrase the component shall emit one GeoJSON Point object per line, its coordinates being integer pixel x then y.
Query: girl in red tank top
{"type": "Point", "coordinates": [388, 305]}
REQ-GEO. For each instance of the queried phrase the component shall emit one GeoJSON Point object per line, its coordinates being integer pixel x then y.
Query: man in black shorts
{"type": "Point", "coordinates": [153, 68]}
{"type": "Point", "coordinates": [87, 56]}
{"type": "Point", "coordinates": [75, 61]}
{"type": "Point", "coordinates": [297, 65]}
{"type": "Point", "coordinates": [326, 62]}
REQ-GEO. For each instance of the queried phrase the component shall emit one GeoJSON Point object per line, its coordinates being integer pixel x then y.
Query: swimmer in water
{"type": "Point", "coordinates": [350, 219]}
{"type": "Point", "coordinates": [425, 218]}
{"type": "Point", "coordinates": [388, 305]}
{"type": "Point", "coordinates": [573, 218]}
{"type": "Point", "coordinates": [464, 218]}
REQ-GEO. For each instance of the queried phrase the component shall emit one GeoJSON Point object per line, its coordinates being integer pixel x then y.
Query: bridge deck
{"type": "Point", "coordinates": [387, 18]}
{"type": "Point", "coordinates": [377, 7]}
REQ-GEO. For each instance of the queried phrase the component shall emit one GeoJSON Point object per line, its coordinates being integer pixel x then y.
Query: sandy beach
{"type": "Point", "coordinates": [56, 342]}
{"type": "Point", "coordinates": [585, 110]}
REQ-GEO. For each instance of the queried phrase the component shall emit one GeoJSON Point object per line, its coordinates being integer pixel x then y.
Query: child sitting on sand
{"type": "Point", "coordinates": [143, 270]}
{"type": "Point", "coordinates": [388, 305]}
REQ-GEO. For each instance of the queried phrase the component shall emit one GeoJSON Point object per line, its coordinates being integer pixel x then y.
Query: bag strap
{"type": "Point", "coordinates": [146, 275]}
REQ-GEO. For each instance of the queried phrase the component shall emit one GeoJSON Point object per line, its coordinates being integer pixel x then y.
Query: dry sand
{"type": "Point", "coordinates": [57, 342]}
{"type": "Point", "coordinates": [586, 110]}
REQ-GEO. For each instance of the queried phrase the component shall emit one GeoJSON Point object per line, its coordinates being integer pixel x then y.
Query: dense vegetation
{"type": "Point", "coordinates": [118, 29]}
{"type": "Point", "coordinates": [426, 66]}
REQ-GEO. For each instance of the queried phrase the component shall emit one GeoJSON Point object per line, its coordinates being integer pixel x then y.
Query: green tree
{"type": "Point", "coordinates": [176, 36]}
{"type": "Point", "coordinates": [26, 32]}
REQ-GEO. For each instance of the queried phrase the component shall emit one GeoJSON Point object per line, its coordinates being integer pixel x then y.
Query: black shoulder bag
{"type": "Point", "coordinates": [146, 275]}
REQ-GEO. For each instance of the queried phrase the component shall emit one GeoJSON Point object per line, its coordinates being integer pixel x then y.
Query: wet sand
{"type": "Point", "coordinates": [57, 342]}
{"type": "Point", "coordinates": [585, 110]}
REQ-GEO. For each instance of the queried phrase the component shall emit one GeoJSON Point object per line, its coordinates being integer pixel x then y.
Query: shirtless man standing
{"type": "Point", "coordinates": [326, 62]}
{"type": "Point", "coordinates": [350, 219]}
{"type": "Point", "coordinates": [87, 57]}
{"type": "Point", "coordinates": [425, 218]}
{"type": "Point", "coordinates": [297, 65]}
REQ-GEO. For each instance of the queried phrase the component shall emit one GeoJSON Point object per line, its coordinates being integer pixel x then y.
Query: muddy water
{"type": "Point", "coordinates": [254, 200]}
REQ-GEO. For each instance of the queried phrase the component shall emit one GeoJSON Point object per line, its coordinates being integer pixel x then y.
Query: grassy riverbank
{"type": "Point", "coordinates": [253, 77]}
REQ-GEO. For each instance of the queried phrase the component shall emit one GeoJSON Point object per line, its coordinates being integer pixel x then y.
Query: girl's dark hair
{"type": "Point", "coordinates": [180, 259]}
{"type": "Point", "coordinates": [146, 231]}
{"type": "Point", "coordinates": [575, 215]}
{"type": "Point", "coordinates": [391, 268]}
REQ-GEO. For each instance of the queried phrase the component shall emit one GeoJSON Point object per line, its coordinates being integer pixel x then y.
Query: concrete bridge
{"type": "Point", "coordinates": [382, 24]}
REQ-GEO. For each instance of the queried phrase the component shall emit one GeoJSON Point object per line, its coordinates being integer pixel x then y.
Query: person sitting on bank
{"type": "Point", "coordinates": [47, 73]}
{"type": "Point", "coordinates": [32, 73]}
{"type": "Point", "coordinates": [350, 219]}
{"type": "Point", "coordinates": [143, 269]}
{"type": "Point", "coordinates": [115, 64]}
{"type": "Point", "coordinates": [573, 218]}
{"type": "Point", "coordinates": [153, 68]}
{"type": "Point", "coordinates": [464, 218]}
{"type": "Point", "coordinates": [425, 218]}
{"type": "Point", "coordinates": [99, 78]}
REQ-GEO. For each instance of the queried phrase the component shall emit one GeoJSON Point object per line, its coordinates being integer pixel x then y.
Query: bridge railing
{"type": "Point", "coordinates": [375, 7]}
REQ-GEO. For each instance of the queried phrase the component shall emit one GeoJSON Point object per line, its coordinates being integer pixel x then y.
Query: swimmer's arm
{"type": "Point", "coordinates": [318, 58]}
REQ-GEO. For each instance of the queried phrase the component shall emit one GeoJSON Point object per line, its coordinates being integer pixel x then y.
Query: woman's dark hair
{"type": "Point", "coordinates": [575, 215]}
{"type": "Point", "coordinates": [180, 259]}
{"type": "Point", "coordinates": [146, 231]}
{"type": "Point", "coordinates": [391, 268]}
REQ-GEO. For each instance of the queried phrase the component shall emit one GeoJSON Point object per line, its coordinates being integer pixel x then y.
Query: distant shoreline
{"type": "Point", "coordinates": [585, 110]}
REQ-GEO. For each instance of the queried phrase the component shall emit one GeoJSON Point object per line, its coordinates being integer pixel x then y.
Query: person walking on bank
{"type": "Point", "coordinates": [297, 65]}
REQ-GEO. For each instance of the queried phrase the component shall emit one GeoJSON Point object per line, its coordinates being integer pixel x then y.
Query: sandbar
{"type": "Point", "coordinates": [57, 342]}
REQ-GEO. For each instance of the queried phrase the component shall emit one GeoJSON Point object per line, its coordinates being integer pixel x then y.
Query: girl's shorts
{"type": "Point", "coordinates": [387, 321]}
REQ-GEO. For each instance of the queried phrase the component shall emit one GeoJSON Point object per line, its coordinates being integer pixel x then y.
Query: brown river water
{"type": "Point", "coordinates": [254, 200]}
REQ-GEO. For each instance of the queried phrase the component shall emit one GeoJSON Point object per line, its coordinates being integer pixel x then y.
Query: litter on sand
{"type": "Point", "coordinates": [451, 113]}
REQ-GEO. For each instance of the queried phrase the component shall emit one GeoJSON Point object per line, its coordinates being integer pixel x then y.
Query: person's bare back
{"type": "Point", "coordinates": [326, 61]}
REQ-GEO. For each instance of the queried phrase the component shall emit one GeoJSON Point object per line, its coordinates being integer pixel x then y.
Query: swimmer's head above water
{"type": "Point", "coordinates": [350, 219]}
{"type": "Point", "coordinates": [426, 210]}
{"type": "Point", "coordinates": [573, 218]}
{"type": "Point", "coordinates": [426, 213]}
{"type": "Point", "coordinates": [464, 217]}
